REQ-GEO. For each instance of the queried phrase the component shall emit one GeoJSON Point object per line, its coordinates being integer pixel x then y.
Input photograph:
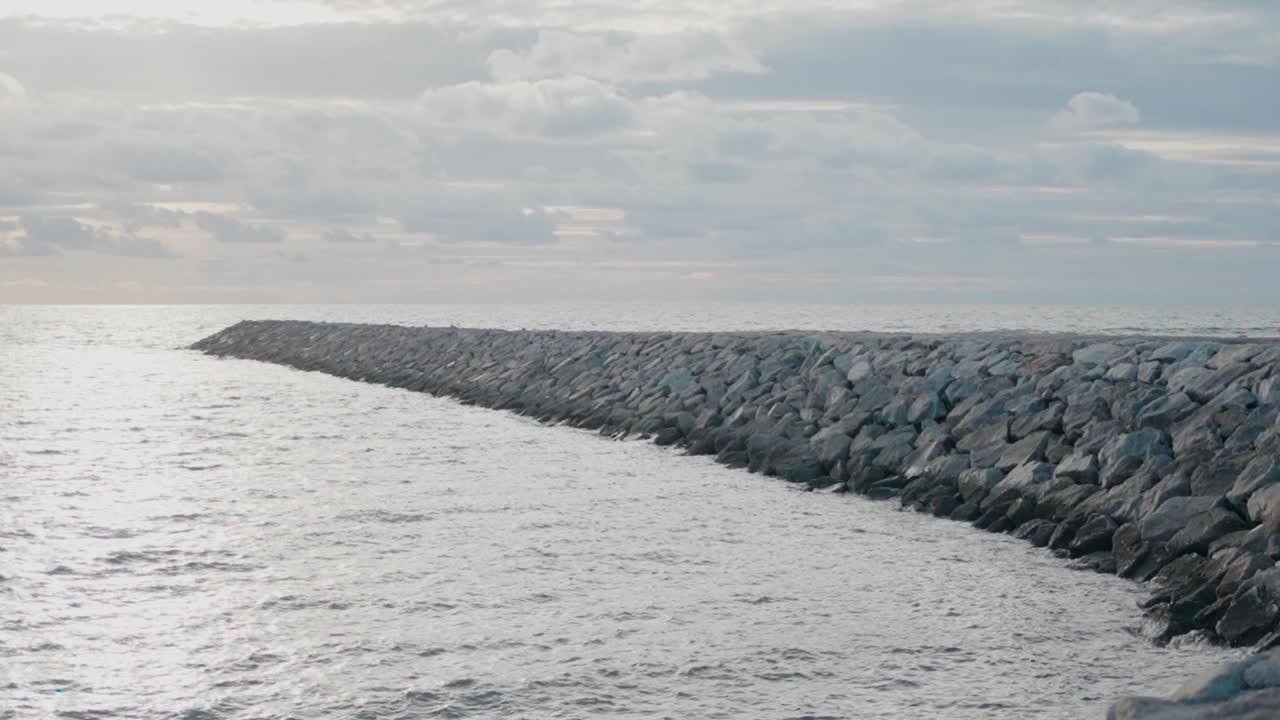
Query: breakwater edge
{"type": "Point", "coordinates": [1151, 458]}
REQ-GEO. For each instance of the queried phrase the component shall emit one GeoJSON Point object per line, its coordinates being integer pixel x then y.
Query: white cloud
{"type": "Point", "coordinates": [554, 107]}
{"type": "Point", "coordinates": [342, 235]}
{"type": "Point", "coordinates": [1096, 111]}
{"type": "Point", "coordinates": [665, 57]}
{"type": "Point", "coordinates": [10, 88]}
{"type": "Point", "coordinates": [744, 140]}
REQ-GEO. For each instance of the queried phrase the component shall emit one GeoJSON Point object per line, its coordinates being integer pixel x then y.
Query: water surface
{"type": "Point", "coordinates": [188, 537]}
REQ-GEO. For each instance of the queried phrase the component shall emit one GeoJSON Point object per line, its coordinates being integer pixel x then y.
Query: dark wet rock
{"type": "Point", "coordinates": [1058, 503]}
{"type": "Point", "coordinates": [1021, 511]}
{"type": "Point", "coordinates": [1203, 529]}
{"type": "Point", "coordinates": [1179, 571]}
{"type": "Point", "coordinates": [1251, 615]}
{"type": "Point", "coordinates": [1037, 531]}
{"type": "Point", "coordinates": [1100, 562]}
{"type": "Point", "coordinates": [1093, 536]}
{"type": "Point", "coordinates": [990, 517]}
{"type": "Point", "coordinates": [968, 511]}
{"type": "Point", "coordinates": [1023, 481]}
{"type": "Point", "coordinates": [1129, 549]}
{"type": "Point", "coordinates": [942, 502]}
{"type": "Point", "coordinates": [1065, 533]}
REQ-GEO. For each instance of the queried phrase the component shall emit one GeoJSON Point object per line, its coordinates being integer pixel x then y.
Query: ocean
{"type": "Point", "coordinates": [188, 537]}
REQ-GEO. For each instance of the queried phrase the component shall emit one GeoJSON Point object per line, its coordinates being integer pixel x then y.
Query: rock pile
{"type": "Point", "coordinates": [1153, 459]}
{"type": "Point", "coordinates": [1246, 690]}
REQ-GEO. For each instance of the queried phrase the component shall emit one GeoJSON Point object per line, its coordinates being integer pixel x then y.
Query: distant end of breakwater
{"type": "Point", "coordinates": [1154, 459]}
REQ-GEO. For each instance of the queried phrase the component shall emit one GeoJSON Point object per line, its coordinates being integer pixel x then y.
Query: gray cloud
{"type": "Point", "coordinates": [54, 234]}
{"type": "Point", "coordinates": [474, 219]}
{"type": "Point", "coordinates": [344, 236]}
{"type": "Point", "coordinates": [230, 230]}
{"type": "Point", "coordinates": [916, 139]}
{"type": "Point", "coordinates": [167, 164]}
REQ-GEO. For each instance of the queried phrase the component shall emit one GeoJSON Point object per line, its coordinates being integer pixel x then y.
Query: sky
{"type": "Point", "coordinates": [1019, 151]}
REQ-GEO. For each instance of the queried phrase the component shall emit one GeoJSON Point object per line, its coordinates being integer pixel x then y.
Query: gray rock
{"type": "Point", "coordinates": [1264, 507]}
{"type": "Point", "coordinates": [1094, 536]}
{"type": "Point", "coordinates": [1261, 472]}
{"type": "Point", "coordinates": [1172, 516]}
{"type": "Point", "coordinates": [1079, 468]}
{"type": "Point", "coordinates": [1140, 445]}
{"type": "Point", "coordinates": [1217, 476]}
{"type": "Point", "coordinates": [859, 370]}
{"type": "Point", "coordinates": [995, 432]}
{"type": "Point", "coordinates": [1029, 449]}
{"type": "Point", "coordinates": [1008, 366]}
{"type": "Point", "coordinates": [1025, 481]}
{"type": "Point", "coordinates": [1204, 528]}
{"type": "Point", "coordinates": [1099, 354]}
{"type": "Point", "coordinates": [926, 407]}
{"type": "Point", "coordinates": [1174, 351]}
{"type": "Point", "coordinates": [1048, 419]}
{"type": "Point", "coordinates": [974, 484]}
{"type": "Point", "coordinates": [1176, 485]}
{"type": "Point", "coordinates": [830, 445]}
{"type": "Point", "coordinates": [1121, 372]}
{"type": "Point", "coordinates": [1163, 413]}
{"type": "Point", "coordinates": [1149, 372]}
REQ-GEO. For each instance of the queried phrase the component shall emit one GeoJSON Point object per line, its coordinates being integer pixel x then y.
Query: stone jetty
{"type": "Point", "coordinates": [1157, 459]}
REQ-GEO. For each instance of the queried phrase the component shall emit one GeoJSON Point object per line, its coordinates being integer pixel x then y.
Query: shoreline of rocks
{"type": "Point", "coordinates": [1157, 459]}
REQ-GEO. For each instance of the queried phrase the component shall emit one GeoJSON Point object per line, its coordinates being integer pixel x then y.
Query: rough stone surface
{"type": "Point", "coordinates": [1146, 457]}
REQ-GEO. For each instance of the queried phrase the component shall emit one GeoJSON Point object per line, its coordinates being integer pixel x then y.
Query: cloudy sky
{"type": "Point", "coordinates": [573, 150]}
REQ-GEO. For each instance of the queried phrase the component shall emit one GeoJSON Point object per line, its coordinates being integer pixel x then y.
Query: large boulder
{"type": "Point", "coordinates": [1029, 449]}
{"type": "Point", "coordinates": [1203, 528]}
{"type": "Point", "coordinates": [1264, 507]}
{"type": "Point", "coordinates": [1024, 481]}
{"type": "Point", "coordinates": [1078, 468]}
{"type": "Point", "coordinates": [1263, 471]}
{"type": "Point", "coordinates": [1172, 516]}
{"type": "Point", "coordinates": [830, 445]}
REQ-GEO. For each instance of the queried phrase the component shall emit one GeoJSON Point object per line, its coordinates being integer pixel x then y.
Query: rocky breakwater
{"type": "Point", "coordinates": [1151, 458]}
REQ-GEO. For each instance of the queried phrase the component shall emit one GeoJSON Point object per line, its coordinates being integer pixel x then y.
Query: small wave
{"type": "Point", "coordinates": [196, 567]}
{"type": "Point", "coordinates": [124, 557]}
{"type": "Point", "coordinates": [181, 517]}
{"type": "Point", "coordinates": [384, 516]}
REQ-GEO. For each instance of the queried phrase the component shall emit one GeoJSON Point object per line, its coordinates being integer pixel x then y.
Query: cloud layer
{"type": "Point", "coordinates": [398, 151]}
